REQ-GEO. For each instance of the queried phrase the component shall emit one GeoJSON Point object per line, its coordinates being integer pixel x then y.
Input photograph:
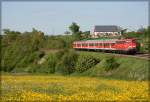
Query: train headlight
{"type": "Point", "coordinates": [133, 46]}
{"type": "Point", "coordinates": [130, 47]}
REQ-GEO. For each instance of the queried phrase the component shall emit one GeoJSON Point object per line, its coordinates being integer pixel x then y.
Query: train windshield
{"type": "Point", "coordinates": [133, 41]}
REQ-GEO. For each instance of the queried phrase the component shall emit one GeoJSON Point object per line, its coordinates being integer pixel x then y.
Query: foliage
{"type": "Point", "coordinates": [86, 62]}
{"type": "Point", "coordinates": [110, 64]}
{"type": "Point", "coordinates": [129, 68]}
{"type": "Point", "coordinates": [60, 53]}
{"type": "Point", "coordinates": [50, 63]}
{"type": "Point", "coordinates": [10, 36]}
{"type": "Point", "coordinates": [54, 43]}
{"type": "Point", "coordinates": [74, 28]}
{"type": "Point", "coordinates": [67, 63]}
{"type": "Point", "coordinates": [22, 51]}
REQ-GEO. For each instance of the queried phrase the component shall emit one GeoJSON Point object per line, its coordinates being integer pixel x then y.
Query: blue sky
{"type": "Point", "coordinates": [55, 17]}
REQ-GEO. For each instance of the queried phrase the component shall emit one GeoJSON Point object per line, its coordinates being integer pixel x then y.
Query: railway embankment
{"type": "Point", "coordinates": [93, 64]}
{"type": "Point", "coordinates": [108, 65]}
{"type": "Point", "coordinates": [129, 67]}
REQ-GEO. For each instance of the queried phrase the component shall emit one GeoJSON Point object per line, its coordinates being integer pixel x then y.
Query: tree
{"type": "Point", "coordinates": [9, 32]}
{"type": "Point", "coordinates": [74, 28]}
{"type": "Point", "coordinates": [37, 38]}
{"type": "Point", "coordinates": [123, 31]}
{"type": "Point", "coordinates": [10, 36]}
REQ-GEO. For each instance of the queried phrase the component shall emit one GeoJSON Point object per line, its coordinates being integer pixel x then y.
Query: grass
{"type": "Point", "coordinates": [68, 88]}
{"type": "Point", "coordinates": [95, 84]}
{"type": "Point", "coordinates": [129, 68]}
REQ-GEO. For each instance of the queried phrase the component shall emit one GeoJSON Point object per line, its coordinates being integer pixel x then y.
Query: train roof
{"type": "Point", "coordinates": [102, 41]}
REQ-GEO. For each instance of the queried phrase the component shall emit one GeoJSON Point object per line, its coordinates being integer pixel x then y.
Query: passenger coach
{"type": "Point", "coordinates": [122, 45]}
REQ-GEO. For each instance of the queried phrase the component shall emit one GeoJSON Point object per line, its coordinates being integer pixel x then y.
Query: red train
{"type": "Point", "coordinates": [116, 45]}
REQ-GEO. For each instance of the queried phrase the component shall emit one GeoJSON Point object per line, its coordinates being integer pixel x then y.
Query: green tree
{"type": "Point", "coordinates": [10, 36]}
{"type": "Point", "coordinates": [110, 64]}
{"type": "Point", "coordinates": [74, 28]}
{"type": "Point", "coordinates": [67, 63]}
{"type": "Point", "coordinates": [18, 49]}
{"type": "Point", "coordinates": [123, 32]}
{"type": "Point", "coordinates": [85, 62]}
{"type": "Point", "coordinates": [37, 39]}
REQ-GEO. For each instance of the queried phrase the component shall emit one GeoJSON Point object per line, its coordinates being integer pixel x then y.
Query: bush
{"type": "Point", "coordinates": [56, 43]}
{"type": "Point", "coordinates": [49, 65]}
{"type": "Point", "coordinates": [60, 53]}
{"type": "Point", "coordinates": [85, 62]}
{"type": "Point", "coordinates": [32, 68]}
{"type": "Point", "coordinates": [60, 68]}
{"type": "Point", "coordinates": [67, 63]}
{"type": "Point", "coordinates": [110, 64]}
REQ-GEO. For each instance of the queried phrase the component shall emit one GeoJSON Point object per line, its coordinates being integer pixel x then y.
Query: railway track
{"type": "Point", "coordinates": [145, 56]}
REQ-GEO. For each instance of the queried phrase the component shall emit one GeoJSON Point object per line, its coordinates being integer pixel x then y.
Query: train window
{"type": "Point", "coordinates": [91, 44]}
{"type": "Point", "coordinates": [106, 44]}
{"type": "Point", "coordinates": [100, 44]}
{"type": "Point", "coordinates": [112, 44]}
{"type": "Point", "coordinates": [84, 45]}
{"type": "Point", "coordinates": [78, 45]}
{"type": "Point", "coordinates": [96, 44]}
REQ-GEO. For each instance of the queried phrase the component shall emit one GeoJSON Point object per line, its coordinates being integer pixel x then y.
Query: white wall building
{"type": "Point", "coordinates": [106, 31]}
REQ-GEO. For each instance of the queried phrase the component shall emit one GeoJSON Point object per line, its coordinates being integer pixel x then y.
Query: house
{"type": "Point", "coordinates": [106, 31]}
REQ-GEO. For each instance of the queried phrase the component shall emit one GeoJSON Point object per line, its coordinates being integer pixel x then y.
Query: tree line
{"type": "Point", "coordinates": [24, 50]}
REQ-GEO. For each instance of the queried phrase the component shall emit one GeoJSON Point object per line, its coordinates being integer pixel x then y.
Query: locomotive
{"type": "Point", "coordinates": [109, 45]}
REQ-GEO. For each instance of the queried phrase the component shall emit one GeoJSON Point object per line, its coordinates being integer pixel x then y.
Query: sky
{"type": "Point", "coordinates": [55, 17]}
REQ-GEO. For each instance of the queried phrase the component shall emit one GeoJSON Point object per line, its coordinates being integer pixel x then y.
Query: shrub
{"type": "Point", "coordinates": [60, 53]}
{"type": "Point", "coordinates": [60, 68]}
{"type": "Point", "coordinates": [49, 65]}
{"type": "Point", "coordinates": [85, 62]}
{"type": "Point", "coordinates": [32, 68]}
{"type": "Point", "coordinates": [67, 63]}
{"type": "Point", "coordinates": [110, 64]}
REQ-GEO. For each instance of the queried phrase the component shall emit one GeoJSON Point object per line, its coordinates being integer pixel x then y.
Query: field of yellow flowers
{"type": "Point", "coordinates": [28, 88]}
